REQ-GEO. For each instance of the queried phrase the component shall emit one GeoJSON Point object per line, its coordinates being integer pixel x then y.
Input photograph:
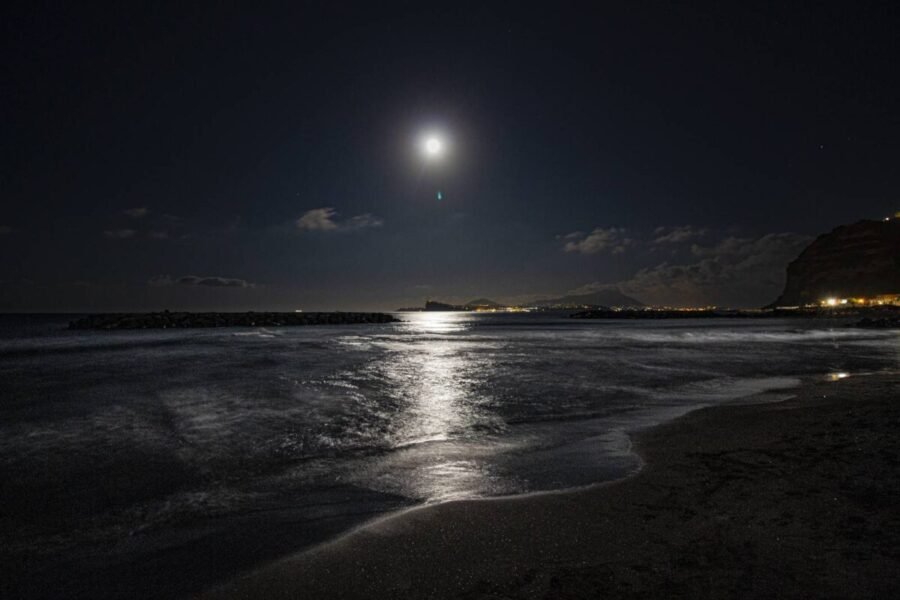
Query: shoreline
{"type": "Point", "coordinates": [757, 398]}
{"type": "Point", "coordinates": [617, 536]}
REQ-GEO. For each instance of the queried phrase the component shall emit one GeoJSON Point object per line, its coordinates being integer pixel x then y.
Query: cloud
{"type": "Point", "coordinates": [737, 272]}
{"type": "Point", "coordinates": [612, 240]}
{"type": "Point", "coordinates": [158, 235]}
{"type": "Point", "coordinates": [119, 234]}
{"type": "Point", "coordinates": [323, 219]}
{"type": "Point", "coordinates": [194, 280]}
{"type": "Point", "coordinates": [363, 221]}
{"type": "Point", "coordinates": [5, 229]}
{"type": "Point", "coordinates": [317, 219]}
{"type": "Point", "coordinates": [213, 281]}
{"type": "Point", "coordinates": [160, 281]}
{"type": "Point", "coordinates": [677, 235]}
{"type": "Point", "coordinates": [136, 213]}
{"type": "Point", "coordinates": [593, 288]}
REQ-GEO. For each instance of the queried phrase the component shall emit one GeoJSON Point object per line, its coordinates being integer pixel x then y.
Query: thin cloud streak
{"type": "Point", "coordinates": [612, 239]}
{"type": "Point", "coordinates": [324, 219]}
{"type": "Point", "coordinates": [677, 235]}
{"type": "Point", "coordinates": [204, 281]}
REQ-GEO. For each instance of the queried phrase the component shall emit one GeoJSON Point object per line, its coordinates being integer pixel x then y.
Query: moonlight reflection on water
{"type": "Point", "coordinates": [442, 427]}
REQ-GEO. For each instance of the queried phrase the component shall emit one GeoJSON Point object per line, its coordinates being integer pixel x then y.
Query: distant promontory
{"type": "Point", "coordinates": [853, 264]}
{"type": "Point", "coordinates": [481, 304]}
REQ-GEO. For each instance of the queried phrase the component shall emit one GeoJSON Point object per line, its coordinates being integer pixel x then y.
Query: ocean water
{"type": "Point", "coordinates": [153, 464]}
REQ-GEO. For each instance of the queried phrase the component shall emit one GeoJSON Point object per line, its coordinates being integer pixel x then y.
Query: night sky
{"type": "Point", "coordinates": [190, 157]}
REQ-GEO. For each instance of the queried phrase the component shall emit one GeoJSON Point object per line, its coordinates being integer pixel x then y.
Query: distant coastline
{"type": "Point", "coordinates": [872, 316]}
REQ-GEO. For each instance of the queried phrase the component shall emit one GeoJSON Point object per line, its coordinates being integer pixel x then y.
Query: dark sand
{"type": "Point", "coordinates": [796, 499]}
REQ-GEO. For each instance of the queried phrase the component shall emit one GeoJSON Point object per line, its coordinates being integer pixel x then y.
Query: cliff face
{"type": "Point", "coordinates": [862, 259]}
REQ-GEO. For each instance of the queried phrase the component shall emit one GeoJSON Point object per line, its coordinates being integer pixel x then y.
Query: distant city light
{"type": "Point", "coordinates": [861, 301]}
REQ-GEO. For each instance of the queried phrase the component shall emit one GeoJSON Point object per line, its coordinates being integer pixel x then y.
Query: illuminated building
{"type": "Point", "coordinates": [879, 300]}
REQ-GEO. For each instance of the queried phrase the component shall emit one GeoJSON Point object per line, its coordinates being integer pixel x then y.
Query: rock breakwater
{"type": "Point", "coordinates": [176, 320]}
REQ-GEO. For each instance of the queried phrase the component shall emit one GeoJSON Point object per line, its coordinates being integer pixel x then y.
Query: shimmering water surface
{"type": "Point", "coordinates": [153, 463]}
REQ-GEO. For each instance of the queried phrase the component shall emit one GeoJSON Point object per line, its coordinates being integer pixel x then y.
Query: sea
{"type": "Point", "coordinates": [155, 464]}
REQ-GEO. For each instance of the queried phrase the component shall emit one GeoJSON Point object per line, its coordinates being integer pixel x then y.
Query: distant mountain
{"type": "Point", "coordinates": [609, 297]}
{"type": "Point", "coordinates": [433, 305]}
{"type": "Point", "coordinates": [858, 260]}
{"type": "Point", "coordinates": [484, 302]}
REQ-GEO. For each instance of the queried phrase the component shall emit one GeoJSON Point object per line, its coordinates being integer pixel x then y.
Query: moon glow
{"type": "Point", "coordinates": [433, 146]}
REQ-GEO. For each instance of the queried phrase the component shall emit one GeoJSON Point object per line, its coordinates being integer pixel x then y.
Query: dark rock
{"type": "Point", "coordinates": [879, 323]}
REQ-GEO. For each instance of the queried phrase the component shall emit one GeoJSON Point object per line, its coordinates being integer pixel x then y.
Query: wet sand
{"type": "Point", "coordinates": [795, 499]}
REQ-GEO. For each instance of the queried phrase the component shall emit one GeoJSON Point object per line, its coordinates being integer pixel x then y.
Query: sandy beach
{"type": "Point", "coordinates": [792, 499]}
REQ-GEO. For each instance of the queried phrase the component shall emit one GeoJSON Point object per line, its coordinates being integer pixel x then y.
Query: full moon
{"type": "Point", "coordinates": [433, 146]}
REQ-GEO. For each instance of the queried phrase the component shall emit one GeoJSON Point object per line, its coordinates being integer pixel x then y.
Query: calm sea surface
{"type": "Point", "coordinates": [152, 464]}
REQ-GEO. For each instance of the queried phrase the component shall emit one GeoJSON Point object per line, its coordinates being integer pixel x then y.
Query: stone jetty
{"type": "Point", "coordinates": [186, 320]}
{"type": "Point", "coordinates": [880, 323]}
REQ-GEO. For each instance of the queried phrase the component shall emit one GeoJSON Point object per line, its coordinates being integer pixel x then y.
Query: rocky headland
{"type": "Point", "coordinates": [185, 320]}
{"type": "Point", "coordinates": [858, 260]}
